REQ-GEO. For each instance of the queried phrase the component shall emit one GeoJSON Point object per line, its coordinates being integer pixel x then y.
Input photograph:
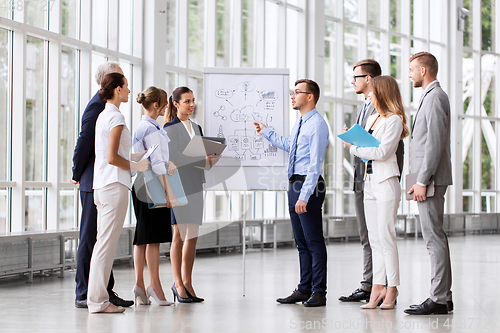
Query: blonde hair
{"type": "Point", "coordinates": [151, 95]}
{"type": "Point", "coordinates": [388, 99]}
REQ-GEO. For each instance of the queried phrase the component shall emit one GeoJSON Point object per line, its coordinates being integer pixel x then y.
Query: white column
{"type": "Point", "coordinates": [210, 33]}
{"type": "Point", "coordinates": [53, 167]}
{"type": "Point", "coordinates": [236, 31]}
{"type": "Point", "coordinates": [315, 42]}
{"type": "Point", "coordinates": [18, 129]}
{"type": "Point", "coordinates": [154, 43]}
{"type": "Point", "coordinates": [259, 32]}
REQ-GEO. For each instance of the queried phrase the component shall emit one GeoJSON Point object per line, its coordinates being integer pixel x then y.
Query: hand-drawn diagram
{"type": "Point", "coordinates": [237, 104]}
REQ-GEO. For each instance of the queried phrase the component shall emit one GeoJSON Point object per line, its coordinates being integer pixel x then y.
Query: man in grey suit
{"type": "Point", "coordinates": [363, 72]}
{"type": "Point", "coordinates": [430, 159]}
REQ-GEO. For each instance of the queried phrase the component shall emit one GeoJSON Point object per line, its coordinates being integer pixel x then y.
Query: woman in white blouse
{"type": "Point", "coordinates": [382, 191]}
{"type": "Point", "coordinates": [111, 188]}
{"type": "Point", "coordinates": [153, 225]}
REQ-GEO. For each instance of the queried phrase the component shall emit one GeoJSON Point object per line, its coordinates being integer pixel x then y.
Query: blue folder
{"type": "Point", "coordinates": [156, 193]}
{"type": "Point", "coordinates": [358, 136]}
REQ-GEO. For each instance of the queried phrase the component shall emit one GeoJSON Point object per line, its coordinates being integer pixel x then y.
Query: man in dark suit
{"type": "Point", "coordinates": [363, 72]}
{"type": "Point", "coordinates": [430, 159]}
{"type": "Point", "coordinates": [83, 174]}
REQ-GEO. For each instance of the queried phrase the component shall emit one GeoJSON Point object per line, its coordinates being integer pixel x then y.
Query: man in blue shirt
{"type": "Point", "coordinates": [306, 192]}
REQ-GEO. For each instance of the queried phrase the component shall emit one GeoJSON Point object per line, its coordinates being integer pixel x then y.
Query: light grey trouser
{"type": "Point", "coordinates": [112, 204]}
{"type": "Point", "coordinates": [366, 283]}
{"type": "Point", "coordinates": [431, 220]}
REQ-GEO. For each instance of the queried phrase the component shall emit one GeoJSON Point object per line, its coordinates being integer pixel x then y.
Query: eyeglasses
{"type": "Point", "coordinates": [296, 92]}
{"type": "Point", "coordinates": [354, 77]}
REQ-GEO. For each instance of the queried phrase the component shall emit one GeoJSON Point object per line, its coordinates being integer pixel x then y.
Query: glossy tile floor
{"type": "Point", "coordinates": [47, 305]}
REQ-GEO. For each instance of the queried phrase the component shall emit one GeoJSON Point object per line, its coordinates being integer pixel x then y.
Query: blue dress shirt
{"type": "Point", "coordinates": [311, 148]}
{"type": "Point", "coordinates": [149, 133]}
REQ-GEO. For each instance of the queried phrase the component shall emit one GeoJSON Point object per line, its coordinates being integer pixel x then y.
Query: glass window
{"type": "Point", "coordinates": [488, 143]}
{"type": "Point", "coordinates": [329, 165]}
{"type": "Point", "coordinates": [97, 60]}
{"type": "Point", "coordinates": [68, 111]}
{"type": "Point", "coordinates": [396, 15]}
{"type": "Point", "coordinates": [351, 48]}
{"type": "Point", "coordinates": [374, 45]}
{"type": "Point", "coordinates": [223, 33]}
{"type": "Point", "coordinates": [36, 108]}
{"type": "Point", "coordinates": [437, 26]}
{"type": "Point", "coordinates": [374, 11]}
{"type": "Point", "coordinates": [292, 52]}
{"type": "Point", "coordinates": [488, 69]}
{"type": "Point", "coordinates": [468, 82]}
{"type": "Point", "coordinates": [171, 83]}
{"type": "Point", "coordinates": [196, 85]}
{"type": "Point", "coordinates": [100, 23]}
{"type": "Point", "coordinates": [37, 12]}
{"type": "Point", "coordinates": [70, 18]}
{"type": "Point", "coordinates": [330, 59]}
{"type": "Point", "coordinates": [467, 160]}
{"type": "Point", "coordinates": [396, 60]}
{"type": "Point", "coordinates": [125, 30]}
{"type": "Point", "coordinates": [196, 24]}
{"type": "Point", "coordinates": [126, 108]}
{"type": "Point", "coordinates": [418, 18]}
{"type": "Point", "coordinates": [247, 39]}
{"type": "Point", "coordinates": [6, 11]}
{"type": "Point", "coordinates": [271, 31]}
{"type": "Point", "coordinates": [351, 8]}
{"type": "Point", "coordinates": [5, 107]}
{"type": "Point", "coordinates": [34, 209]}
{"type": "Point", "coordinates": [171, 32]}
{"type": "Point", "coordinates": [468, 23]}
{"type": "Point", "coordinates": [67, 209]}
{"type": "Point", "coordinates": [488, 25]}
{"type": "Point", "coordinates": [4, 221]}
{"type": "Point", "coordinates": [330, 7]}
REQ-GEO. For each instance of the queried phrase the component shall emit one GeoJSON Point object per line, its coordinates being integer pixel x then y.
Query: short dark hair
{"type": "Point", "coordinates": [109, 84]}
{"type": "Point", "coordinates": [426, 60]}
{"type": "Point", "coordinates": [369, 66]}
{"type": "Point", "coordinates": [312, 87]}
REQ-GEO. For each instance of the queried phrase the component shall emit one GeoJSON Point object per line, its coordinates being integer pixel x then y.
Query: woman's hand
{"type": "Point", "coordinates": [212, 159]}
{"type": "Point", "coordinates": [139, 166]}
{"type": "Point", "coordinates": [171, 200]}
{"type": "Point", "coordinates": [136, 157]}
{"type": "Point", "coordinates": [347, 144]}
{"type": "Point", "coordinates": [171, 168]}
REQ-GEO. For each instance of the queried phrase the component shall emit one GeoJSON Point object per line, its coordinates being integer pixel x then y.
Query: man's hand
{"type": "Point", "coordinates": [74, 182]}
{"type": "Point", "coordinates": [419, 192]}
{"type": "Point", "coordinates": [259, 126]}
{"type": "Point", "coordinates": [300, 207]}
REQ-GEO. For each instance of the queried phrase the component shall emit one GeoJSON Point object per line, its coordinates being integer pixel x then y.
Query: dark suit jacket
{"type": "Point", "coordinates": [84, 155]}
{"type": "Point", "coordinates": [179, 139]}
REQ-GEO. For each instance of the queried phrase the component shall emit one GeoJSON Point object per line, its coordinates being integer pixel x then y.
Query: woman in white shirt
{"type": "Point", "coordinates": [382, 191]}
{"type": "Point", "coordinates": [111, 188]}
{"type": "Point", "coordinates": [153, 225]}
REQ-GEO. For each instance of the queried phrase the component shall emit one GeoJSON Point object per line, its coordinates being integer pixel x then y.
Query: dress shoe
{"type": "Point", "coordinates": [195, 299]}
{"type": "Point", "coordinates": [140, 296]}
{"type": "Point", "coordinates": [116, 300]}
{"type": "Point", "coordinates": [356, 296]}
{"type": "Point", "coordinates": [296, 296]}
{"type": "Point", "coordinates": [111, 309]}
{"type": "Point", "coordinates": [152, 293]}
{"type": "Point", "coordinates": [428, 307]}
{"type": "Point", "coordinates": [316, 299]}
{"type": "Point", "coordinates": [374, 304]}
{"type": "Point", "coordinates": [449, 305]}
{"type": "Point", "coordinates": [81, 304]}
{"type": "Point", "coordinates": [179, 298]}
{"type": "Point", "coordinates": [389, 306]}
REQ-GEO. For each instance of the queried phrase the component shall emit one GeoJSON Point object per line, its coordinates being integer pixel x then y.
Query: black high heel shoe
{"type": "Point", "coordinates": [179, 298]}
{"type": "Point", "coordinates": [195, 299]}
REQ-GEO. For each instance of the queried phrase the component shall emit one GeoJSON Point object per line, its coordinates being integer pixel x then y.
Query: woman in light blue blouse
{"type": "Point", "coordinates": [153, 225]}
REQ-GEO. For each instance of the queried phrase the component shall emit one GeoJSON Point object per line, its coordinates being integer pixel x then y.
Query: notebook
{"type": "Point", "coordinates": [411, 179]}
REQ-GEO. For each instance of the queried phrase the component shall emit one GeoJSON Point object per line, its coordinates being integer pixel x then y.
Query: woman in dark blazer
{"type": "Point", "coordinates": [186, 219]}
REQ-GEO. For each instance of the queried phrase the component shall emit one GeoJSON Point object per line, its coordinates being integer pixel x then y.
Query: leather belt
{"type": "Point", "coordinates": [296, 178]}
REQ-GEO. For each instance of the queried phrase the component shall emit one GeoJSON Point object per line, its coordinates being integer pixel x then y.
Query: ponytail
{"type": "Point", "coordinates": [175, 97]}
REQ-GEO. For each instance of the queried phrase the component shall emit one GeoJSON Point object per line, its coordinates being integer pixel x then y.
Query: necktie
{"type": "Point", "coordinates": [293, 151]}
{"type": "Point", "coordinates": [363, 114]}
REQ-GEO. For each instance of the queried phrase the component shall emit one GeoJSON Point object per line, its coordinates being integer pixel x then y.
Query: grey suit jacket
{"type": "Point", "coordinates": [359, 165]}
{"type": "Point", "coordinates": [430, 155]}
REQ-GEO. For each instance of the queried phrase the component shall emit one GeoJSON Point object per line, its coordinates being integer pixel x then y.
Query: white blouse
{"type": "Point", "coordinates": [105, 173]}
{"type": "Point", "coordinates": [191, 133]}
